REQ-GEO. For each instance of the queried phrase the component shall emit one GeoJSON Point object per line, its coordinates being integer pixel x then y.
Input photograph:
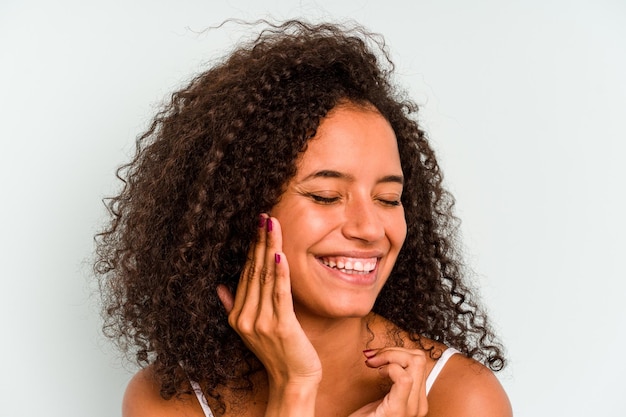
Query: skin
{"type": "Point", "coordinates": [339, 210]}
{"type": "Point", "coordinates": [306, 313]}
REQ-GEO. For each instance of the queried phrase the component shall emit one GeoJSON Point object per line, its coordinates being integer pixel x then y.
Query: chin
{"type": "Point", "coordinates": [350, 307]}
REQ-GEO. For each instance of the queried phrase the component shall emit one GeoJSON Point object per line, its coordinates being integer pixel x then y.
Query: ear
{"type": "Point", "coordinates": [226, 297]}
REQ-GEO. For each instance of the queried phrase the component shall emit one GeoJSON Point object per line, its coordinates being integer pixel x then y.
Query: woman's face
{"type": "Point", "coordinates": [342, 221]}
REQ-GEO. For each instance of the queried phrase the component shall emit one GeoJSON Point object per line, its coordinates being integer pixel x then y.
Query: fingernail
{"type": "Point", "coordinates": [277, 258]}
{"type": "Point", "coordinates": [261, 221]}
{"type": "Point", "coordinates": [369, 353]}
{"type": "Point", "coordinates": [269, 225]}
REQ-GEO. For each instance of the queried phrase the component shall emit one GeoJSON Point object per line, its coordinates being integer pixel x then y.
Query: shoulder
{"type": "Point", "coordinates": [143, 399]}
{"type": "Point", "coordinates": [466, 388]}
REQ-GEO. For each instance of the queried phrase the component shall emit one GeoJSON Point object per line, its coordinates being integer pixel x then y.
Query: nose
{"type": "Point", "coordinates": [362, 220]}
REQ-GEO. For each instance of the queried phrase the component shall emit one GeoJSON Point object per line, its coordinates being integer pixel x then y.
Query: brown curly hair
{"type": "Point", "coordinates": [219, 154]}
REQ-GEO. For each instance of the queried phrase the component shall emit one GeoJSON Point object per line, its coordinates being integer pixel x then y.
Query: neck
{"type": "Point", "coordinates": [339, 342]}
{"type": "Point", "coordinates": [347, 383]}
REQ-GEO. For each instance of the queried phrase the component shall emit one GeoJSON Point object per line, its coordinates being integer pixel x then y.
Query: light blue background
{"type": "Point", "coordinates": [525, 102]}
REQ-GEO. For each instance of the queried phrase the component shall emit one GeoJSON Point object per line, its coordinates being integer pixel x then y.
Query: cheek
{"type": "Point", "coordinates": [308, 223]}
{"type": "Point", "coordinates": [398, 235]}
{"type": "Point", "coordinates": [301, 228]}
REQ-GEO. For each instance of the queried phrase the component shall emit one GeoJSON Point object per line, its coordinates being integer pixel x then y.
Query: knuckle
{"type": "Point", "coordinates": [280, 296]}
{"type": "Point", "coordinates": [404, 378]}
{"type": "Point", "coordinates": [418, 359]}
{"type": "Point", "coordinates": [251, 272]}
{"type": "Point", "coordinates": [262, 327]}
{"type": "Point", "coordinates": [244, 326]}
{"type": "Point", "coordinates": [266, 275]}
{"type": "Point", "coordinates": [419, 353]}
{"type": "Point", "coordinates": [232, 321]}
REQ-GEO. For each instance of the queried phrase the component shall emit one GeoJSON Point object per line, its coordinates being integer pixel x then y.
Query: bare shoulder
{"type": "Point", "coordinates": [466, 388]}
{"type": "Point", "coordinates": [142, 399]}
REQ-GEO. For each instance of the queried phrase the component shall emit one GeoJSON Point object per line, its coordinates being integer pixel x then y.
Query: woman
{"type": "Point", "coordinates": [283, 246]}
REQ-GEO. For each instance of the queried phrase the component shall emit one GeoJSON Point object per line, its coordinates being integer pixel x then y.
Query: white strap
{"type": "Point", "coordinates": [201, 399]}
{"type": "Point", "coordinates": [441, 362]}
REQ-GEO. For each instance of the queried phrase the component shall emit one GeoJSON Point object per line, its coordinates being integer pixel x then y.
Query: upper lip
{"type": "Point", "coordinates": [354, 254]}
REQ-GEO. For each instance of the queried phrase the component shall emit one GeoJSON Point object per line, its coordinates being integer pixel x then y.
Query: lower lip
{"type": "Point", "coordinates": [355, 279]}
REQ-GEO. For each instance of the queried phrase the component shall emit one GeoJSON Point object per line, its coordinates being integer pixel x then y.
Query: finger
{"type": "Point", "coordinates": [248, 288]}
{"type": "Point", "coordinates": [401, 356]}
{"type": "Point", "coordinates": [407, 371]}
{"type": "Point", "coordinates": [413, 360]}
{"type": "Point", "coordinates": [226, 297]}
{"type": "Point", "coordinates": [407, 395]}
{"type": "Point", "coordinates": [273, 244]}
{"type": "Point", "coordinates": [422, 408]}
{"type": "Point", "coordinates": [402, 383]}
{"type": "Point", "coordinates": [276, 298]}
{"type": "Point", "coordinates": [282, 297]}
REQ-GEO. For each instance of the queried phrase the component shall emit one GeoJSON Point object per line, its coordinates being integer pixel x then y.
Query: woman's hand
{"type": "Point", "coordinates": [262, 314]}
{"type": "Point", "coordinates": [406, 369]}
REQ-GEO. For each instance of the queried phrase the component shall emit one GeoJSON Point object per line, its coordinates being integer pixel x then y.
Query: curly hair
{"type": "Point", "coordinates": [218, 154]}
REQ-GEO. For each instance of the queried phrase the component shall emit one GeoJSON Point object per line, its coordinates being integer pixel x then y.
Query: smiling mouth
{"type": "Point", "coordinates": [347, 265]}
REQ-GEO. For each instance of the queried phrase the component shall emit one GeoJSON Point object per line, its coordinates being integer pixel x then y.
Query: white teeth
{"type": "Point", "coordinates": [350, 266]}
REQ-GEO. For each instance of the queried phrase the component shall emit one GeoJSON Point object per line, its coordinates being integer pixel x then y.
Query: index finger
{"type": "Point", "coordinates": [248, 287]}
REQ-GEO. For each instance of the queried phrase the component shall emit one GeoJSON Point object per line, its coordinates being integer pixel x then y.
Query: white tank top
{"type": "Point", "coordinates": [430, 380]}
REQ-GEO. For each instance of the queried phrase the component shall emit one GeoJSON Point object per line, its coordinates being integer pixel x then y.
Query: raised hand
{"type": "Point", "coordinates": [262, 314]}
{"type": "Point", "coordinates": [406, 370]}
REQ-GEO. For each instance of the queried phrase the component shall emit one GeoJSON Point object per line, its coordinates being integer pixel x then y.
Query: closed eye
{"type": "Point", "coordinates": [393, 203]}
{"type": "Point", "coordinates": [323, 200]}
{"type": "Point", "coordinates": [389, 199]}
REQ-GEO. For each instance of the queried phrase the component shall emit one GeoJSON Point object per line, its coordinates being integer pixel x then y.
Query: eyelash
{"type": "Point", "coordinates": [330, 200]}
{"type": "Point", "coordinates": [323, 200]}
{"type": "Point", "coordinates": [393, 203]}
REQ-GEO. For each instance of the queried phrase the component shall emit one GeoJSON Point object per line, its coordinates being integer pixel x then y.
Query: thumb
{"type": "Point", "coordinates": [226, 297]}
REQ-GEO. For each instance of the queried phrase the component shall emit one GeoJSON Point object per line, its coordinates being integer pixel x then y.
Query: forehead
{"type": "Point", "coordinates": [354, 138]}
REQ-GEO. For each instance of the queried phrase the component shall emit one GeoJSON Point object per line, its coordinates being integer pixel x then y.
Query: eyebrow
{"type": "Point", "coordinates": [328, 173]}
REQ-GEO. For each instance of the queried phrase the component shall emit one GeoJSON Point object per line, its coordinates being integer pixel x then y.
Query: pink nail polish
{"type": "Point", "coordinates": [261, 221]}
{"type": "Point", "coordinates": [269, 225]}
{"type": "Point", "coordinates": [277, 258]}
